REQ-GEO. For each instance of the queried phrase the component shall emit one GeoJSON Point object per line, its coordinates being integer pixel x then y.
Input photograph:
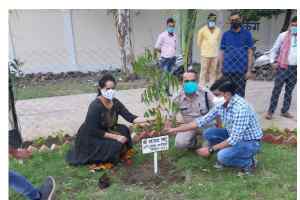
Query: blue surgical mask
{"type": "Point", "coordinates": [190, 87]}
{"type": "Point", "coordinates": [294, 30]}
{"type": "Point", "coordinates": [211, 24]}
{"type": "Point", "coordinates": [171, 29]}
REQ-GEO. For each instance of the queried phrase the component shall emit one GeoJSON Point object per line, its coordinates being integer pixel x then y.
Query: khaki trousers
{"type": "Point", "coordinates": [209, 72]}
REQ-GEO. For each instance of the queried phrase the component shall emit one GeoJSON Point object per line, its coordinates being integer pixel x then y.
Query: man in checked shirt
{"type": "Point", "coordinates": [239, 141]}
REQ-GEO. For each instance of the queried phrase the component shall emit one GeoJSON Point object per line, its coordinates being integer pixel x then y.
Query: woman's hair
{"type": "Point", "coordinates": [103, 80]}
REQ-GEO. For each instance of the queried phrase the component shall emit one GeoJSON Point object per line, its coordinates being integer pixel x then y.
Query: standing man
{"type": "Point", "coordinates": [166, 46]}
{"type": "Point", "coordinates": [239, 141]}
{"type": "Point", "coordinates": [208, 42]}
{"type": "Point", "coordinates": [284, 57]}
{"type": "Point", "coordinates": [236, 56]}
{"type": "Point", "coordinates": [193, 102]}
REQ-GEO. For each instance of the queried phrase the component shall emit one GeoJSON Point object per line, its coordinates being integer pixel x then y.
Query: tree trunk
{"type": "Point", "coordinates": [287, 19]}
{"type": "Point", "coordinates": [123, 29]}
{"type": "Point", "coordinates": [15, 138]}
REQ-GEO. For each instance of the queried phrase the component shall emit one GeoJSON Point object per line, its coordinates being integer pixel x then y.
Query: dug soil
{"type": "Point", "coordinates": [143, 174]}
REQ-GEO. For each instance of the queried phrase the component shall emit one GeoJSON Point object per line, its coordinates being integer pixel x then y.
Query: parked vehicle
{"type": "Point", "coordinates": [262, 66]}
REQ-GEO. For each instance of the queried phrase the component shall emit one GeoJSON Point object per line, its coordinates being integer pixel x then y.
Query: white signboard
{"type": "Point", "coordinates": [155, 144]}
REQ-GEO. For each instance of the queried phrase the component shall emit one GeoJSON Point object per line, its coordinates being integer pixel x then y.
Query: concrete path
{"type": "Point", "coordinates": [46, 116]}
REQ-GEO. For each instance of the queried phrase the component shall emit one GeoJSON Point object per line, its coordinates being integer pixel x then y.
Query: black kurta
{"type": "Point", "coordinates": [90, 145]}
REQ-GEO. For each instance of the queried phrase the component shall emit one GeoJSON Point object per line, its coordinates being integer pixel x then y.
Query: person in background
{"type": "Point", "coordinates": [208, 41]}
{"type": "Point", "coordinates": [22, 186]}
{"type": "Point", "coordinates": [100, 139]}
{"type": "Point", "coordinates": [166, 46]}
{"type": "Point", "coordinates": [194, 101]}
{"type": "Point", "coordinates": [239, 141]}
{"type": "Point", "coordinates": [284, 58]}
{"type": "Point", "coordinates": [236, 55]}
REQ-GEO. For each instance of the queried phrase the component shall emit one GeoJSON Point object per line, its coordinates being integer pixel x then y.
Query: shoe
{"type": "Point", "coordinates": [48, 188]}
{"type": "Point", "coordinates": [248, 171]}
{"type": "Point", "coordinates": [218, 166]}
{"type": "Point", "coordinates": [269, 116]}
{"type": "Point", "coordinates": [287, 115]}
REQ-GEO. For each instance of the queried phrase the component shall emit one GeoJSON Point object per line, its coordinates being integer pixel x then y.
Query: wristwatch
{"type": "Point", "coordinates": [211, 150]}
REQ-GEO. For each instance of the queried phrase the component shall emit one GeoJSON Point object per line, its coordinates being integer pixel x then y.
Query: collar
{"type": "Point", "coordinates": [241, 30]}
{"type": "Point", "coordinates": [232, 101]}
{"type": "Point", "coordinates": [184, 96]}
{"type": "Point", "coordinates": [167, 33]}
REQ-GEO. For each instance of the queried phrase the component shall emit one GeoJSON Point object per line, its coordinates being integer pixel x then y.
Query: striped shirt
{"type": "Point", "coordinates": [239, 120]}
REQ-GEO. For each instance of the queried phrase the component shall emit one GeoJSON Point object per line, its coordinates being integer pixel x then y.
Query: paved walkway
{"type": "Point", "coordinates": [45, 116]}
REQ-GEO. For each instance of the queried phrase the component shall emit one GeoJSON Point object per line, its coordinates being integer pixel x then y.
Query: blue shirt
{"type": "Point", "coordinates": [239, 120]}
{"type": "Point", "coordinates": [235, 46]}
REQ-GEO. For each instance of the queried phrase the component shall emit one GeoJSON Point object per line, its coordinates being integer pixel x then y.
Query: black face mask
{"type": "Point", "coordinates": [236, 25]}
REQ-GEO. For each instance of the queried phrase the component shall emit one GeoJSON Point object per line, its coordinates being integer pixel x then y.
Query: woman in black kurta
{"type": "Point", "coordinates": [100, 139]}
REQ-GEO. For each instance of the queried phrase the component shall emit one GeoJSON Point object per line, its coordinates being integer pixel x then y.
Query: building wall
{"type": "Point", "coordinates": [41, 38]}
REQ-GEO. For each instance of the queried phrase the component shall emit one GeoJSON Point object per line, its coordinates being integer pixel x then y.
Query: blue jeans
{"type": "Point", "coordinates": [167, 63]}
{"type": "Point", "coordinates": [22, 186]}
{"type": "Point", "coordinates": [238, 156]}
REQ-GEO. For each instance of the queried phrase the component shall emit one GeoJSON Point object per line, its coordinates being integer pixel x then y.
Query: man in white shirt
{"type": "Point", "coordinates": [166, 46]}
{"type": "Point", "coordinates": [284, 57]}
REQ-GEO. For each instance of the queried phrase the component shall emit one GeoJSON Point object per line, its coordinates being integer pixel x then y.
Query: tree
{"type": "Point", "coordinates": [287, 20]}
{"type": "Point", "coordinates": [122, 22]}
{"type": "Point", "coordinates": [155, 94]}
{"type": "Point", "coordinates": [257, 14]}
{"type": "Point", "coordinates": [187, 20]}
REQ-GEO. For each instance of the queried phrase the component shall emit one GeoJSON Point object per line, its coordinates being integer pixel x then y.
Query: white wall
{"type": "Point", "coordinates": [40, 37]}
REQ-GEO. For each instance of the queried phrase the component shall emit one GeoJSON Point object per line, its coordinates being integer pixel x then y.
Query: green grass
{"type": "Point", "coordinates": [275, 178]}
{"type": "Point", "coordinates": [66, 87]}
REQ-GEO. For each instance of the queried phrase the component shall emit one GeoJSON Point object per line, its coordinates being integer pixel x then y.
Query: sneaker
{"type": "Point", "coordinates": [287, 115]}
{"type": "Point", "coordinates": [48, 188]}
{"type": "Point", "coordinates": [269, 116]}
{"type": "Point", "coordinates": [218, 166]}
{"type": "Point", "coordinates": [254, 163]}
{"type": "Point", "coordinates": [249, 170]}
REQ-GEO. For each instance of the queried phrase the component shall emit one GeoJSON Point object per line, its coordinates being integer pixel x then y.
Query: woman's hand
{"type": "Point", "coordinates": [120, 138]}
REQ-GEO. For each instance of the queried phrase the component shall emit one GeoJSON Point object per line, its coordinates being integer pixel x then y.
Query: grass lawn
{"type": "Point", "coordinates": [275, 178]}
{"type": "Point", "coordinates": [67, 87]}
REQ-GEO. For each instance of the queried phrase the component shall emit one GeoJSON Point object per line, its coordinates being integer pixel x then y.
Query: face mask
{"type": "Point", "coordinates": [171, 29]}
{"type": "Point", "coordinates": [218, 100]}
{"type": "Point", "coordinates": [108, 94]}
{"type": "Point", "coordinates": [294, 30]}
{"type": "Point", "coordinates": [235, 25]}
{"type": "Point", "coordinates": [190, 87]}
{"type": "Point", "coordinates": [211, 24]}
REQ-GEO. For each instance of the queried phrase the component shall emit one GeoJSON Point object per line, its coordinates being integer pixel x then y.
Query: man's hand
{"type": "Point", "coordinates": [170, 131]}
{"type": "Point", "coordinates": [249, 75]}
{"type": "Point", "coordinates": [203, 152]}
{"type": "Point", "coordinates": [274, 66]}
{"type": "Point", "coordinates": [168, 124]}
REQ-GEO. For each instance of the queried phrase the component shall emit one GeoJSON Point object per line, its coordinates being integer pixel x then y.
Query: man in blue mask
{"type": "Point", "coordinates": [166, 46]}
{"type": "Point", "coordinates": [194, 101]}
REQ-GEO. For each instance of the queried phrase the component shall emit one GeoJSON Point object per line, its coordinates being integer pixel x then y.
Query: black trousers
{"type": "Point", "coordinates": [239, 79]}
{"type": "Point", "coordinates": [289, 78]}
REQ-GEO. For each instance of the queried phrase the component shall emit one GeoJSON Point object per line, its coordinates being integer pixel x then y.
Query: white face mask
{"type": "Point", "coordinates": [218, 100]}
{"type": "Point", "coordinates": [108, 94]}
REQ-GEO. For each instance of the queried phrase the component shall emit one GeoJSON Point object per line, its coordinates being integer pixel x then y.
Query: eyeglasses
{"type": "Point", "coordinates": [186, 81]}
